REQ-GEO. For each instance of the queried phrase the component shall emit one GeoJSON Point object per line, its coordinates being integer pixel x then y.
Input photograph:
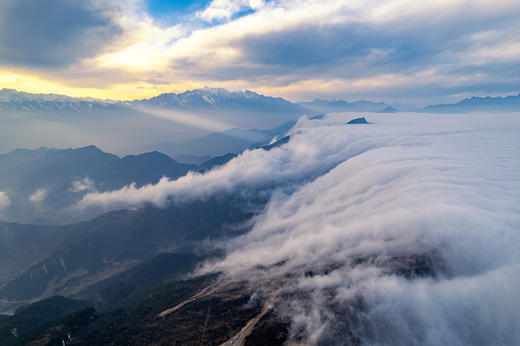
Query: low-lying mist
{"type": "Point", "coordinates": [114, 131]}
{"type": "Point", "coordinates": [123, 131]}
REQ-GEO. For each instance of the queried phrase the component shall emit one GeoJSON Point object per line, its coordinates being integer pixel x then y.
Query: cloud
{"type": "Point", "coordinates": [284, 47]}
{"type": "Point", "coordinates": [38, 196]}
{"type": "Point", "coordinates": [53, 34]}
{"type": "Point", "coordinates": [404, 231]}
{"type": "Point", "coordinates": [83, 185]}
{"type": "Point", "coordinates": [288, 43]}
{"type": "Point", "coordinates": [225, 9]}
{"type": "Point", "coordinates": [447, 195]}
{"type": "Point", "coordinates": [254, 169]}
{"type": "Point", "coordinates": [4, 201]}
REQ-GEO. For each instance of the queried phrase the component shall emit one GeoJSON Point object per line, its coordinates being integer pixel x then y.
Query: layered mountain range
{"type": "Point", "coordinates": [41, 184]}
{"type": "Point", "coordinates": [90, 259]}
{"type": "Point", "coordinates": [222, 100]}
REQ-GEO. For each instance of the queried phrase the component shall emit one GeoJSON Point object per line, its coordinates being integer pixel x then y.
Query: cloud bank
{"type": "Point", "coordinates": [404, 231]}
{"type": "Point", "coordinates": [341, 245]}
{"type": "Point", "coordinates": [280, 168]}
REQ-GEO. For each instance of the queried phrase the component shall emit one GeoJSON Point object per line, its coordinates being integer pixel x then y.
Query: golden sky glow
{"type": "Point", "coordinates": [35, 84]}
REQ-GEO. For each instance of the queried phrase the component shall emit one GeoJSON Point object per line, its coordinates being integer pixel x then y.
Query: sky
{"type": "Point", "coordinates": [407, 51]}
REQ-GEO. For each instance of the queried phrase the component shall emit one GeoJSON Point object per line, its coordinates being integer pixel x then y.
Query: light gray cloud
{"type": "Point", "coordinates": [4, 201]}
{"type": "Point", "coordinates": [385, 49]}
{"type": "Point", "coordinates": [38, 196]}
{"type": "Point", "coordinates": [83, 185]}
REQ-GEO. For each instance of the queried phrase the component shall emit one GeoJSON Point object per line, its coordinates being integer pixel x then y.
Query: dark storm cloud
{"type": "Point", "coordinates": [52, 33]}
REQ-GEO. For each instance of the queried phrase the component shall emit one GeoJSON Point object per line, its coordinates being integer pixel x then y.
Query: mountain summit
{"type": "Point", "coordinates": [219, 99]}
{"type": "Point", "coordinates": [197, 100]}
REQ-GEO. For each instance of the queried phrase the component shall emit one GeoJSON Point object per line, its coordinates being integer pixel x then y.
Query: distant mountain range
{"type": "Point", "coordinates": [221, 100]}
{"type": "Point", "coordinates": [475, 104]}
{"type": "Point", "coordinates": [218, 99]}
{"type": "Point", "coordinates": [328, 106]}
{"type": "Point", "coordinates": [12, 100]}
{"type": "Point", "coordinates": [33, 120]}
{"type": "Point", "coordinates": [197, 100]}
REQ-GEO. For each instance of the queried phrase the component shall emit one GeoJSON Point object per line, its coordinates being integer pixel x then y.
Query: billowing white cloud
{"type": "Point", "coordinates": [445, 198]}
{"type": "Point", "coordinates": [4, 201]}
{"type": "Point", "coordinates": [287, 165]}
{"type": "Point", "coordinates": [38, 196]}
{"type": "Point", "coordinates": [225, 9]}
{"type": "Point", "coordinates": [403, 231]}
{"type": "Point", "coordinates": [83, 185]}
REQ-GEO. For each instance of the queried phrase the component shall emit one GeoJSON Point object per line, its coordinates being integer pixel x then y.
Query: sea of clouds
{"type": "Point", "coordinates": [354, 208]}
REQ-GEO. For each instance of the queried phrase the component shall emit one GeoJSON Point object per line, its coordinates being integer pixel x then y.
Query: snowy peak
{"type": "Point", "coordinates": [16, 101]}
{"type": "Point", "coordinates": [219, 99]}
{"type": "Point", "coordinates": [203, 99]}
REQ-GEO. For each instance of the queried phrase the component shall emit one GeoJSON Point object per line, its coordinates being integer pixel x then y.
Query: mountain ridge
{"type": "Point", "coordinates": [478, 103]}
{"type": "Point", "coordinates": [221, 99]}
{"type": "Point", "coordinates": [218, 99]}
{"type": "Point", "coordinates": [191, 100]}
{"type": "Point", "coordinates": [337, 105]}
{"type": "Point", "coordinates": [13, 100]}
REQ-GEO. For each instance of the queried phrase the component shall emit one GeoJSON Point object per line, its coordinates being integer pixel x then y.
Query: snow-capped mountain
{"type": "Point", "coordinates": [219, 99]}
{"type": "Point", "coordinates": [12, 100]}
{"type": "Point", "coordinates": [205, 99]}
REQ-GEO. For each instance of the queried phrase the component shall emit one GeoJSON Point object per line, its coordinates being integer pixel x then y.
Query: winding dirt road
{"type": "Point", "coordinates": [205, 292]}
{"type": "Point", "coordinates": [241, 336]}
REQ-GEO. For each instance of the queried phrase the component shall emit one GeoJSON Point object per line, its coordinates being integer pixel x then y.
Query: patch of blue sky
{"type": "Point", "coordinates": [243, 13]}
{"type": "Point", "coordinates": [174, 11]}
